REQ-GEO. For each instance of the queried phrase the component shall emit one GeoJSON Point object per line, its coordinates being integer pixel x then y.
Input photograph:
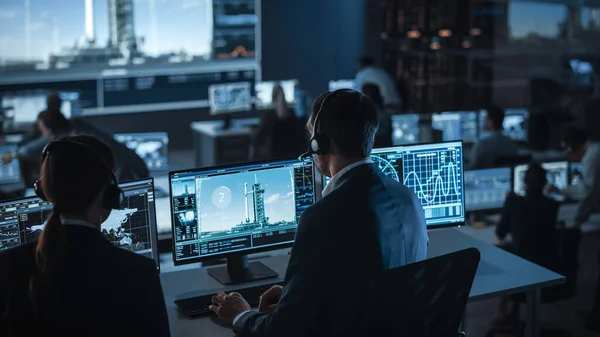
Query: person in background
{"type": "Point", "coordinates": [72, 281]}
{"type": "Point", "coordinates": [496, 146]}
{"type": "Point", "coordinates": [383, 137]}
{"type": "Point", "coordinates": [280, 133]}
{"type": "Point", "coordinates": [324, 292]}
{"type": "Point", "coordinates": [368, 72]}
{"type": "Point", "coordinates": [531, 221]}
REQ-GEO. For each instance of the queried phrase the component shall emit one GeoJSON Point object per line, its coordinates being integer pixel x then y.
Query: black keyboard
{"type": "Point", "coordinates": [198, 306]}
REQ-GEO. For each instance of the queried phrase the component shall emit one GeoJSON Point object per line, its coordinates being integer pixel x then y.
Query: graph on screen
{"type": "Point", "coordinates": [435, 175]}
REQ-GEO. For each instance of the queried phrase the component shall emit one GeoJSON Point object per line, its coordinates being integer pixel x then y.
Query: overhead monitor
{"type": "Point", "coordinates": [515, 123]}
{"type": "Point", "coordinates": [456, 125]}
{"type": "Point", "coordinates": [264, 92]}
{"type": "Point", "coordinates": [557, 175]}
{"type": "Point", "coordinates": [152, 147]}
{"type": "Point", "coordinates": [132, 228]}
{"type": "Point", "coordinates": [434, 172]}
{"type": "Point", "coordinates": [405, 129]}
{"type": "Point", "coordinates": [342, 84]}
{"type": "Point", "coordinates": [487, 189]}
{"type": "Point", "coordinates": [129, 55]}
{"type": "Point", "coordinates": [230, 97]}
{"type": "Point", "coordinates": [10, 173]}
{"type": "Point", "coordinates": [236, 210]}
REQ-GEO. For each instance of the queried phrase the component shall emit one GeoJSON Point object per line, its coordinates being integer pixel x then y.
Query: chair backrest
{"type": "Point", "coordinates": [426, 298]}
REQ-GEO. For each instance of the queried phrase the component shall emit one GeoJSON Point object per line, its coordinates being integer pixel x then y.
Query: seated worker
{"type": "Point", "coordinates": [281, 133]}
{"type": "Point", "coordinates": [368, 72]}
{"type": "Point", "coordinates": [328, 278]}
{"type": "Point", "coordinates": [383, 137]}
{"type": "Point", "coordinates": [531, 221]}
{"type": "Point", "coordinates": [72, 281]}
{"type": "Point", "coordinates": [494, 147]}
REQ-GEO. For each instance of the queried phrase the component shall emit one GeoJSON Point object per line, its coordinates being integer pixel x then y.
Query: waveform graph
{"type": "Point", "coordinates": [434, 173]}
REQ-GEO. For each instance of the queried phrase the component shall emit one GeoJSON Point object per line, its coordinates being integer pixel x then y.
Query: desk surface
{"type": "Point", "coordinates": [499, 274]}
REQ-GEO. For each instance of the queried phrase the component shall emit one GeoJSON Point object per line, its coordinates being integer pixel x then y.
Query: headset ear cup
{"type": "Point", "coordinates": [37, 187]}
{"type": "Point", "coordinates": [323, 143]}
{"type": "Point", "coordinates": [113, 197]}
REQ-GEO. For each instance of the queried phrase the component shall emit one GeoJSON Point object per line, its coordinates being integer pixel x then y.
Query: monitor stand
{"type": "Point", "coordinates": [238, 270]}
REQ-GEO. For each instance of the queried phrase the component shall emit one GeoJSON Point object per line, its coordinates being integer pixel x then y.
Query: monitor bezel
{"type": "Point", "coordinates": [511, 173]}
{"type": "Point", "coordinates": [249, 251]}
{"type": "Point", "coordinates": [442, 225]}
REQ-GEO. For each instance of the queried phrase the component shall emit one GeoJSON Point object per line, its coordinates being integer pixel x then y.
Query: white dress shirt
{"type": "Point", "coordinates": [328, 189]}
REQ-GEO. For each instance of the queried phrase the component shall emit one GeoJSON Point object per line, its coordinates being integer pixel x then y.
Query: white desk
{"type": "Point", "coordinates": [499, 274]}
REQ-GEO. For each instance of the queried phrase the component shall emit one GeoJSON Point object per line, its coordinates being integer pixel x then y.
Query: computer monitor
{"type": "Point", "coordinates": [342, 84]}
{"type": "Point", "coordinates": [230, 97]}
{"type": "Point", "coordinates": [132, 228]}
{"type": "Point", "coordinates": [405, 129]}
{"type": "Point", "coordinates": [231, 211]}
{"type": "Point", "coordinates": [434, 172]}
{"type": "Point", "coordinates": [487, 189]}
{"type": "Point", "coordinates": [264, 93]}
{"type": "Point", "coordinates": [24, 106]}
{"type": "Point", "coordinates": [456, 125]}
{"type": "Point", "coordinates": [557, 175]}
{"type": "Point", "coordinates": [515, 123]}
{"type": "Point", "coordinates": [152, 147]}
{"type": "Point", "coordinates": [10, 173]}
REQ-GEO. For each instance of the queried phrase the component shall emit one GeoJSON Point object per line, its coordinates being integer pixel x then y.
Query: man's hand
{"type": "Point", "coordinates": [228, 306]}
{"type": "Point", "coordinates": [7, 158]}
{"type": "Point", "coordinates": [270, 299]}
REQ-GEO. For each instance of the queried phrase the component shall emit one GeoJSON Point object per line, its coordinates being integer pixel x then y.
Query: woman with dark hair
{"type": "Point", "coordinates": [531, 220]}
{"type": "Point", "coordinates": [280, 133]}
{"type": "Point", "coordinates": [383, 137]}
{"type": "Point", "coordinates": [72, 281]}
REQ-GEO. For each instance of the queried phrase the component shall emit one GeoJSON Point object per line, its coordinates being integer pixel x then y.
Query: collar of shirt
{"type": "Point", "coordinates": [77, 222]}
{"type": "Point", "coordinates": [331, 185]}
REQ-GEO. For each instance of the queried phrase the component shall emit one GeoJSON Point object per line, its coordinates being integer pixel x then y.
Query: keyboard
{"type": "Point", "coordinates": [198, 306]}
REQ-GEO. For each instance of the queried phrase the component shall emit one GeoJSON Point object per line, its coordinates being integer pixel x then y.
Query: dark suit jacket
{"type": "Point", "coordinates": [106, 291]}
{"type": "Point", "coordinates": [366, 224]}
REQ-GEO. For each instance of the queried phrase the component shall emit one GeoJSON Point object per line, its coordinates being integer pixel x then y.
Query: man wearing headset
{"type": "Point", "coordinates": [364, 224]}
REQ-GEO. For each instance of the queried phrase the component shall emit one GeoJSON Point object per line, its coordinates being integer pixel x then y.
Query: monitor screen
{"type": "Point", "coordinates": [230, 97]}
{"type": "Point", "coordinates": [575, 174]}
{"type": "Point", "coordinates": [515, 123]}
{"type": "Point", "coordinates": [342, 84]}
{"type": "Point", "coordinates": [264, 92]}
{"type": "Point", "coordinates": [152, 147]}
{"type": "Point", "coordinates": [238, 209]}
{"type": "Point", "coordinates": [405, 129]}
{"type": "Point", "coordinates": [433, 172]}
{"type": "Point", "coordinates": [487, 189]}
{"type": "Point", "coordinates": [25, 106]}
{"type": "Point", "coordinates": [456, 125]}
{"type": "Point", "coordinates": [9, 173]}
{"type": "Point", "coordinates": [132, 228]}
{"type": "Point", "coordinates": [557, 175]}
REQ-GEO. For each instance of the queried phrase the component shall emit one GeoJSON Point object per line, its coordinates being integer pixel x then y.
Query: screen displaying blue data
{"type": "Point", "coordinates": [487, 189]}
{"type": "Point", "coordinates": [433, 171]}
{"type": "Point", "coordinates": [405, 129]}
{"type": "Point", "coordinates": [557, 174]}
{"type": "Point", "coordinates": [515, 123]}
{"type": "Point", "coordinates": [458, 125]}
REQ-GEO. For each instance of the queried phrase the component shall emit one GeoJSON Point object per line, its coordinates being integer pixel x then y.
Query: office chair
{"type": "Point", "coordinates": [426, 298]}
{"type": "Point", "coordinates": [568, 265]}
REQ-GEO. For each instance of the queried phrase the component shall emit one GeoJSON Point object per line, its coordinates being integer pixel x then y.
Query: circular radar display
{"type": "Point", "coordinates": [221, 197]}
{"type": "Point", "coordinates": [386, 167]}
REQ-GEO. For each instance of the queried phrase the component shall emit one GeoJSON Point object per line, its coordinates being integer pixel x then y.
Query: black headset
{"type": "Point", "coordinates": [113, 195]}
{"type": "Point", "coordinates": [320, 143]}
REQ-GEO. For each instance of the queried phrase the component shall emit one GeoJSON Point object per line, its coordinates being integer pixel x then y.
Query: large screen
{"type": "Point", "coordinates": [434, 172]}
{"type": "Point", "coordinates": [557, 174]}
{"type": "Point", "coordinates": [238, 209]}
{"type": "Point", "coordinates": [127, 52]}
{"type": "Point", "coordinates": [132, 228]}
